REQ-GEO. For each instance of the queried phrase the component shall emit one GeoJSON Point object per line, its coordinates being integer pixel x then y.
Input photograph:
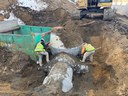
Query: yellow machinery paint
{"type": "Point", "coordinates": [106, 4]}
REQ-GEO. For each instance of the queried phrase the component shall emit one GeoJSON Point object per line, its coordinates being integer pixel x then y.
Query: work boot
{"type": "Point", "coordinates": [81, 61]}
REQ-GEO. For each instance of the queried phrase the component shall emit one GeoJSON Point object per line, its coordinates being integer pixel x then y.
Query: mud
{"type": "Point", "coordinates": [107, 75]}
{"type": "Point", "coordinates": [70, 35]}
{"type": "Point", "coordinates": [19, 75]}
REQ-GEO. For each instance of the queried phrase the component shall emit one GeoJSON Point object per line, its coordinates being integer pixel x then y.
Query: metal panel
{"type": "Point", "coordinates": [8, 25]}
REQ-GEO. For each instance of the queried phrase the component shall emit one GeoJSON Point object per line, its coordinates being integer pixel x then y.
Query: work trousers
{"type": "Point", "coordinates": [88, 54]}
{"type": "Point", "coordinates": [40, 55]}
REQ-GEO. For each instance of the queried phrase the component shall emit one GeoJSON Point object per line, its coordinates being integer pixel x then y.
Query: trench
{"type": "Point", "coordinates": [107, 74]}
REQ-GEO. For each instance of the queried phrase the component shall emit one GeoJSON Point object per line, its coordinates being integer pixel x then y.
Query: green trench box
{"type": "Point", "coordinates": [24, 38]}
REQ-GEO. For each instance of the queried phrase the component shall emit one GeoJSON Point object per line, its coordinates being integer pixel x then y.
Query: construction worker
{"type": "Point", "coordinates": [87, 51]}
{"type": "Point", "coordinates": [41, 50]}
{"type": "Point", "coordinates": [41, 46]}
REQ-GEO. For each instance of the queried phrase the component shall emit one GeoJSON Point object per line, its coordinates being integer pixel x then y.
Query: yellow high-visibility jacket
{"type": "Point", "coordinates": [90, 48]}
{"type": "Point", "coordinates": [39, 48]}
{"type": "Point", "coordinates": [87, 48]}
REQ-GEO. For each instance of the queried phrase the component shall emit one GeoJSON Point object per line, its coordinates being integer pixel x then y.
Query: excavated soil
{"type": "Point", "coordinates": [108, 75]}
{"type": "Point", "coordinates": [71, 34]}
{"type": "Point", "coordinates": [43, 18]}
{"type": "Point", "coordinates": [19, 75]}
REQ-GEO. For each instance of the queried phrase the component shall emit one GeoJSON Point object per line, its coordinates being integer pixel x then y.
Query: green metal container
{"type": "Point", "coordinates": [24, 39]}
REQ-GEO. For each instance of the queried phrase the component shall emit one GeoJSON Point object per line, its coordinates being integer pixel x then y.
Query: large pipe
{"type": "Point", "coordinates": [61, 73]}
{"type": "Point", "coordinates": [60, 77]}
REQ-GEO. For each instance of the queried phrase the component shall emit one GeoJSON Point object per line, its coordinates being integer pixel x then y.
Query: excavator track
{"type": "Point", "coordinates": [105, 14]}
{"type": "Point", "coordinates": [76, 15]}
{"type": "Point", "coordinates": [108, 14]}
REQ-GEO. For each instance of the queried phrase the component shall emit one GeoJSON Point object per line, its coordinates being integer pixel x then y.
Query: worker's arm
{"type": "Point", "coordinates": [83, 50]}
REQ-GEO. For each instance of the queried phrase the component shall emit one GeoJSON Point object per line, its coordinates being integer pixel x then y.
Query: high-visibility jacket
{"type": "Point", "coordinates": [87, 48]}
{"type": "Point", "coordinates": [90, 48]}
{"type": "Point", "coordinates": [39, 48]}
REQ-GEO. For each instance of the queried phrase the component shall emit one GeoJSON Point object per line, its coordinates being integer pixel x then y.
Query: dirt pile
{"type": "Point", "coordinates": [18, 72]}
{"type": "Point", "coordinates": [65, 4]}
{"type": "Point", "coordinates": [14, 6]}
{"type": "Point", "coordinates": [13, 62]}
{"type": "Point", "coordinates": [43, 18]}
{"type": "Point", "coordinates": [71, 36]}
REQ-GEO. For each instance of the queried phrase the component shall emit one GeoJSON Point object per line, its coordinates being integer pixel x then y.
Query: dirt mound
{"type": "Point", "coordinates": [65, 4]}
{"type": "Point", "coordinates": [13, 62]}
{"type": "Point", "coordinates": [19, 70]}
{"type": "Point", "coordinates": [71, 35]}
{"type": "Point", "coordinates": [43, 18]}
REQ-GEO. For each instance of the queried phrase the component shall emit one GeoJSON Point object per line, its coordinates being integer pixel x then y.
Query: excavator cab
{"type": "Point", "coordinates": [95, 8]}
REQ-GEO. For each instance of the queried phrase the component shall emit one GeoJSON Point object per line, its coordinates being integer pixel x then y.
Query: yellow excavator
{"type": "Point", "coordinates": [95, 9]}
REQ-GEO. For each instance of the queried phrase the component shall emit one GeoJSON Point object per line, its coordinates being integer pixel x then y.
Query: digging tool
{"type": "Point", "coordinates": [98, 48]}
{"type": "Point", "coordinates": [87, 24]}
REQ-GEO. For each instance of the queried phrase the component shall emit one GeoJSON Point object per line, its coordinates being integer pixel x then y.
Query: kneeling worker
{"type": "Point", "coordinates": [87, 51]}
{"type": "Point", "coordinates": [41, 50]}
{"type": "Point", "coordinates": [41, 46]}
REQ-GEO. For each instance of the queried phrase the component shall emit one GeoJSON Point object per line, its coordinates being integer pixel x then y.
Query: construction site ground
{"type": "Point", "coordinates": [108, 74]}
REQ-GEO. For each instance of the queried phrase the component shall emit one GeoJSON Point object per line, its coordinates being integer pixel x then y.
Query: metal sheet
{"type": "Point", "coordinates": [8, 25]}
